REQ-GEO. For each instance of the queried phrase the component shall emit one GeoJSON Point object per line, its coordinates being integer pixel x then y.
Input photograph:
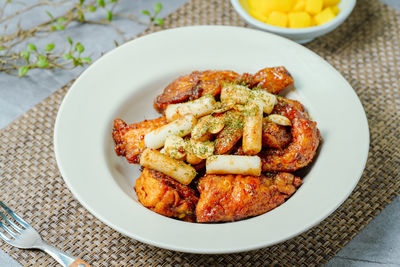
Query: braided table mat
{"type": "Point", "coordinates": [365, 49]}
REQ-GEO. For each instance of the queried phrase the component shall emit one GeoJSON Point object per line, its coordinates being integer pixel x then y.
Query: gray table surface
{"type": "Point", "coordinates": [378, 244]}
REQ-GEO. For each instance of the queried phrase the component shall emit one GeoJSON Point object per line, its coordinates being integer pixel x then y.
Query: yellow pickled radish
{"type": "Point", "coordinates": [299, 20]}
{"type": "Point", "coordinates": [292, 13]}
{"type": "Point", "coordinates": [258, 6]}
{"type": "Point", "coordinates": [299, 6]}
{"type": "Point", "coordinates": [259, 16]}
{"type": "Point", "coordinates": [277, 18]}
{"type": "Point", "coordinates": [314, 6]}
{"type": "Point", "coordinates": [331, 2]}
{"type": "Point", "coordinates": [324, 16]}
{"type": "Point", "coordinates": [335, 10]}
{"type": "Point", "coordinates": [284, 5]}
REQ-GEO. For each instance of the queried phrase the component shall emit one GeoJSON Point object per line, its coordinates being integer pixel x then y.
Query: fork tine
{"type": "Point", "coordinates": [15, 216]}
{"type": "Point", "coordinates": [16, 227]}
{"type": "Point", "coordinates": [4, 237]}
{"type": "Point", "coordinates": [5, 227]}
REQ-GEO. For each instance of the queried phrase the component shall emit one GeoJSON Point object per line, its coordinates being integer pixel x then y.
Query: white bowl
{"type": "Point", "coordinates": [123, 84]}
{"type": "Point", "coordinates": [300, 35]}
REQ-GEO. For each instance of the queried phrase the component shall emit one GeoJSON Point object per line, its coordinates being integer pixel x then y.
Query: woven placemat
{"type": "Point", "coordinates": [365, 49]}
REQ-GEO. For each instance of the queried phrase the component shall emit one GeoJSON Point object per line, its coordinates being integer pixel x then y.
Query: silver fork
{"type": "Point", "coordinates": [22, 235]}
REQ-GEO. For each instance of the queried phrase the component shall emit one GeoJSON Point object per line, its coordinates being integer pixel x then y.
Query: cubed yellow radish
{"type": "Point", "coordinates": [258, 16]}
{"type": "Point", "coordinates": [299, 6]}
{"type": "Point", "coordinates": [331, 2]}
{"type": "Point", "coordinates": [277, 18]}
{"type": "Point", "coordinates": [299, 20]}
{"type": "Point", "coordinates": [259, 7]}
{"type": "Point", "coordinates": [314, 6]}
{"type": "Point", "coordinates": [335, 9]}
{"type": "Point", "coordinates": [283, 5]}
{"type": "Point", "coordinates": [324, 16]}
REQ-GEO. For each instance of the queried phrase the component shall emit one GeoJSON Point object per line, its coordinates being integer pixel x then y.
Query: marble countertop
{"type": "Point", "coordinates": [378, 244]}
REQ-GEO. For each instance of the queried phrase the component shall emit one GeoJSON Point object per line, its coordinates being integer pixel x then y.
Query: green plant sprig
{"type": "Point", "coordinates": [153, 16]}
{"type": "Point", "coordinates": [19, 63]}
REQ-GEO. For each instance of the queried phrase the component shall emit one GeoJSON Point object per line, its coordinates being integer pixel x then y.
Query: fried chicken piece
{"type": "Point", "coordinates": [274, 135]}
{"type": "Point", "coordinates": [233, 197]}
{"type": "Point", "coordinates": [305, 140]}
{"type": "Point", "coordinates": [164, 195]}
{"type": "Point", "coordinates": [198, 83]}
{"type": "Point", "coordinates": [193, 86]}
{"type": "Point", "coordinates": [273, 80]}
{"type": "Point", "coordinates": [230, 134]}
{"type": "Point", "coordinates": [129, 139]}
{"type": "Point", "coordinates": [299, 153]}
{"type": "Point", "coordinates": [290, 108]}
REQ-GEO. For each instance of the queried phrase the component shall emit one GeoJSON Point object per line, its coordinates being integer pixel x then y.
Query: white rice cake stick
{"type": "Point", "coordinates": [179, 127]}
{"type": "Point", "coordinates": [252, 129]}
{"type": "Point", "coordinates": [268, 100]}
{"type": "Point", "coordinates": [175, 169]}
{"type": "Point", "coordinates": [232, 164]}
{"type": "Point", "coordinates": [199, 107]}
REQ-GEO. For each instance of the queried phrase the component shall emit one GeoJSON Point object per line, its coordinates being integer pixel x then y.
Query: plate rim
{"type": "Point", "coordinates": [184, 249]}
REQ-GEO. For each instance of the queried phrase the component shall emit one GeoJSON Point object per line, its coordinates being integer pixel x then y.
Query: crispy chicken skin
{"type": "Point", "coordinates": [198, 83]}
{"type": "Point", "coordinates": [129, 139]}
{"type": "Point", "coordinates": [305, 140]}
{"type": "Point", "coordinates": [273, 79]}
{"type": "Point", "coordinates": [164, 195]}
{"type": "Point", "coordinates": [193, 86]}
{"type": "Point", "coordinates": [274, 135]}
{"type": "Point", "coordinates": [233, 197]}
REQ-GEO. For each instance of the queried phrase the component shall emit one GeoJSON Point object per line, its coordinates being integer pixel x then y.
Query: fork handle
{"type": "Point", "coordinates": [79, 263]}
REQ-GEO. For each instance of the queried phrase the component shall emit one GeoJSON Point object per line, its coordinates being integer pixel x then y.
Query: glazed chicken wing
{"type": "Point", "coordinates": [164, 195]}
{"type": "Point", "coordinates": [198, 83]}
{"type": "Point", "coordinates": [273, 79]}
{"type": "Point", "coordinates": [233, 197]}
{"type": "Point", "coordinates": [193, 86]}
{"type": "Point", "coordinates": [129, 139]}
{"type": "Point", "coordinates": [305, 140]}
{"type": "Point", "coordinates": [274, 135]}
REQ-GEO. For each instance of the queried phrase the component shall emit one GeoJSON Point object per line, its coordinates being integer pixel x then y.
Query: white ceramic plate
{"type": "Point", "coordinates": [123, 84]}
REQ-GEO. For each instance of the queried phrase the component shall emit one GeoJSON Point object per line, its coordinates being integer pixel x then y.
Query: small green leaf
{"type": "Point", "coordinates": [86, 59]}
{"type": "Point", "coordinates": [53, 28]}
{"type": "Point", "coordinates": [158, 21]}
{"type": "Point", "coordinates": [76, 62]}
{"type": "Point", "coordinates": [146, 12]}
{"type": "Point", "coordinates": [61, 20]}
{"type": "Point", "coordinates": [25, 55]}
{"type": "Point", "coordinates": [60, 27]}
{"type": "Point", "coordinates": [116, 43]}
{"type": "Point", "coordinates": [2, 47]}
{"type": "Point", "coordinates": [49, 47]}
{"type": "Point", "coordinates": [69, 40]}
{"type": "Point", "coordinates": [32, 47]}
{"type": "Point", "coordinates": [109, 15]}
{"type": "Point", "coordinates": [67, 56]}
{"type": "Point", "coordinates": [157, 8]}
{"type": "Point", "coordinates": [91, 8]}
{"type": "Point", "coordinates": [42, 62]}
{"type": "Point", "coordinates": [50, 15]}
{"type": "Point", "coordinates": [101, 3]}
{"type": "Point", "coordinates": [81, 2]}
{"type": "Point", "coordinates": [79, 47]}
{"type": "Point", "coordinates": [22, 70]}
{"type": "Point", "coordinates": [113, 1]}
